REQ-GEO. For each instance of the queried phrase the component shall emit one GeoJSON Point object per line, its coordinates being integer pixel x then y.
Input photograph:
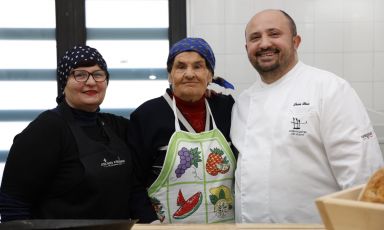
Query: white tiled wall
{"type": "Point", "coordinates": [342, 36]}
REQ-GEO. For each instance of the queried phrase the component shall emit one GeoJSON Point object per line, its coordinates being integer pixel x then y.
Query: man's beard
{"type": "Point", "coordinates": [266, 69]}
{"type": "Point", "coordinates": [269, 68]}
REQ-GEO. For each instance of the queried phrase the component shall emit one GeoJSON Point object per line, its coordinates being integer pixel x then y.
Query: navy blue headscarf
{"type": "Point", "coordinates": [198, 45]}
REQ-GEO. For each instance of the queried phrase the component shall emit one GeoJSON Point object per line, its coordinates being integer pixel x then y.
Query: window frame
{"type": "Point", "coordinates": [70, 19]}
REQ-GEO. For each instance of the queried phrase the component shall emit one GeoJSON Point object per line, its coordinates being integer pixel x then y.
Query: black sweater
{"type": "Point", "coordinates": [44, 162]}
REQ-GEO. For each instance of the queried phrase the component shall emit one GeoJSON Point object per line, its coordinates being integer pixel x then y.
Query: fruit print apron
{"type": "Point", "coordinates": [195, 184]}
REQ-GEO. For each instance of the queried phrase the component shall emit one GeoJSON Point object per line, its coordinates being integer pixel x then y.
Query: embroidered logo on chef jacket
{"type": "Point", "coordinates": [367, 136]}
{"type": "Point", "coordinates": [297, 122]}
{"type": "Point", "coordinates": [299, 111]}
{"type": "Point", "coordinates": [297, 130]}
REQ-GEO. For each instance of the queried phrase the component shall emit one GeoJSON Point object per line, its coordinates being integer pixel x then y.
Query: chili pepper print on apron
{"type": "Point", "coordinates": [195, 184]}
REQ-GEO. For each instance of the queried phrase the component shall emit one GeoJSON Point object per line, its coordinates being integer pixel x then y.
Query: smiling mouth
{"type": "Point", "coordinates": [91, 92]}
{"type": "Point", "coordinates": [267, 53]}
{"type": "Point", "coordinates": [190, 83]}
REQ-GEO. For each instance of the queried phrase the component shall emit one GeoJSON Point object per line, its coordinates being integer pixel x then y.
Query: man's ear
{"type": "Point", "coordinates": [296, 41]}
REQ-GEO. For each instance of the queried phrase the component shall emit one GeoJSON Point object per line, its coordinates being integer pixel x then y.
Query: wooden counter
{"type": "Point", "coordinates": [229, 226]}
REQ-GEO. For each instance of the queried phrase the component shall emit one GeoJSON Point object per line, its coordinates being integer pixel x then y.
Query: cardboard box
{"type": "Point", "coordinates": [343, 211]}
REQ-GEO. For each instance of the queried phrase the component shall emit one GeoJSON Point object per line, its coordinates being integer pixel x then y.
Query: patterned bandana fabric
{"type": "Point", "coordinates": [198, 45]}
{"type": "Point", "coordinates": [76, 57]}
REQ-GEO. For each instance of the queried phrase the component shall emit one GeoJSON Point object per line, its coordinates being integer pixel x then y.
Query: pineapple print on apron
{"type": "Point", "coordinates": [195, 184]}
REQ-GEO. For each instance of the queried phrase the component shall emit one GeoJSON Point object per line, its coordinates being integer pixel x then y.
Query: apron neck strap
{"type": "Point", "coordinates": [179, 116]}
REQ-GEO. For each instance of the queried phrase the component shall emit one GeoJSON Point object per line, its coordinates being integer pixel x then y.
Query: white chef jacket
{"type": "Point", "coordinates": [302, 137]}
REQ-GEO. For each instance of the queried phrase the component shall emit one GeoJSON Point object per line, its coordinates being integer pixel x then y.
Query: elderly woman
{"type": "Point", "coordinates": [184, 141]}
{"type": "Point", "coordinates": [72, 162]}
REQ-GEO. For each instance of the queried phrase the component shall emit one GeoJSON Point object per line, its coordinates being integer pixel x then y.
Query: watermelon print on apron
{"type": "Point", "coordinates": [195, 184]}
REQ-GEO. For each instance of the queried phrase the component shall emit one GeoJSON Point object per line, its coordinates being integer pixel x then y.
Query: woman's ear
{"type": "Point", "coordinates": [210, 77]}
{"type": "Point", "coordinates": [169, 79]}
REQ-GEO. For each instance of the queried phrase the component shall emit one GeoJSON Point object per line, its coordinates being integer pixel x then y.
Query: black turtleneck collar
{"type": "Point", "coordinates": [84, 118]}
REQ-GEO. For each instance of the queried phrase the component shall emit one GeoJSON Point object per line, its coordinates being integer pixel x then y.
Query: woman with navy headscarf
{"type": "Point", "coordinates": [183, 141]}
{"type": "Point", "coordinates": [73, 162]}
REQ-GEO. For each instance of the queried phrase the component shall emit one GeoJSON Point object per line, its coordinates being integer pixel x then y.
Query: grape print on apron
{"type": "Point", "coordinates": [195, 184]}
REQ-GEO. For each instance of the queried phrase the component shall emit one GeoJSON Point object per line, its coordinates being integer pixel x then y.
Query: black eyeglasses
{"type": "Point", "coordinates": [83, 75]}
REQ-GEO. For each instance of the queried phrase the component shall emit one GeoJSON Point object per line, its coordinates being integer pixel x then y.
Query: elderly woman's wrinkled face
{"type": "Point", "coordinates": [88, 95]}
{"type": "Point", "coordinates": [189, 76]}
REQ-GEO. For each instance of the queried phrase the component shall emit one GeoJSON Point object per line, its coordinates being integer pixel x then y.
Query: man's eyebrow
{"type": "Point", "coordinates": [273, 29]}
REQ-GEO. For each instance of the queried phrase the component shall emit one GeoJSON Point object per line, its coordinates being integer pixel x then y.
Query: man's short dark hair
{"type": "Point", "coordinates": [292, 23]}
